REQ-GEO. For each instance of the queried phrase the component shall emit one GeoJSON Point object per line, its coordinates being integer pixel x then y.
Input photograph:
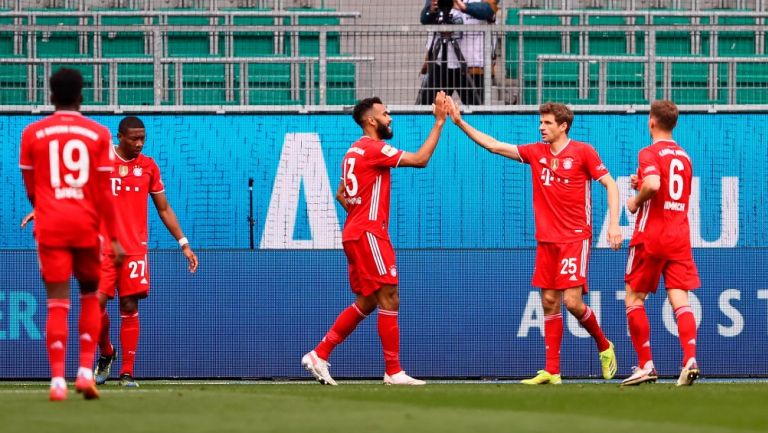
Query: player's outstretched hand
{"type": "Point", "coordinates": [119, 252]}
{"type": "Point", "coordinates": [440, 108]}
{"type": "Point", "coordinates": [615, 238]}
{"type": "Point", "coordinates": [454, 111]}
{"type": "Point", "coordinates": [27, 219]}
{"type": "Point", "coordinates": [191, 258]}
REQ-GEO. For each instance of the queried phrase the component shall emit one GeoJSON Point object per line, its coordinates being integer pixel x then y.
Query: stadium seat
{"type": "Point", "coordinates": [625, 83]}
{"type": "Point", "coordinates": [340, 85]}
{"type": "Point", "coordinates": [6, 38]}
{"type": "Point", "coordinates": [309, 42]}
{"type": "Point", "coordinates": [188, 44]}
{"type": "Point", "coordinates": [136, 84]}
{"type": "Point", "coordinates": [13, 85]}
{"type": "Point", "coordinates": [736, 43]}
{"type": "Point", "coordinates": [607, 43]}
{"type": "Point", "coordinates": [252, 44]}
{"type": "Point", "coordinates": [752, 83]}
{"type": "Point", "coordinates": [125, 43]}
{"type": "Point", "coordinates": [534, 43]}
{"type": "Point", "coordinates": [60, 44]}
{"type": "Point", "coordinates": [672, 43]}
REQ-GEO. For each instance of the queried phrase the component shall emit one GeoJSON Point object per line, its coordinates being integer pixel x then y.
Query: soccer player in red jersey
{"type": "Point", "coordinates": [661, 244]}
{"type": "Point", "coordinates": [65, 161]}
{"type": "Point", "coordinates": [562, 171]}
{"type": "Point", "coordinates": [135, 177]}
{"type": "Point", "coordinates": [364, 194]}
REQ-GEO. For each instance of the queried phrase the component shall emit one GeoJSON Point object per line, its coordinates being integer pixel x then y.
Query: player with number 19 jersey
{"type": "Point", "coordinates": [65, 152]}
{"type": "Point", "coordinates": [366, 176]}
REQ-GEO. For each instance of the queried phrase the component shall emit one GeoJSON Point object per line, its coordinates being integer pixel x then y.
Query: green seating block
{"type": "Point", "coordinates": [125, 43]}
{"type": "Point", "coordinates": [188, 44]}
{"type": "Point", "coordinates": [252, 44]}
{"type": "Point", "coordinates": [309, 42]}
{"type": "Point", "coordinates": [59, 44]}
{"type": "Point", "coordinates": [607, 43]}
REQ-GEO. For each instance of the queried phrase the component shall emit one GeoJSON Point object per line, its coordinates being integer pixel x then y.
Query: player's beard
{"type": "Point", "coordinates": [384, 131]}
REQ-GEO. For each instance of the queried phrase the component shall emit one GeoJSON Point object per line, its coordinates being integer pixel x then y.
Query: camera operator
{"type": "Point", "coordinates": [455, 59]}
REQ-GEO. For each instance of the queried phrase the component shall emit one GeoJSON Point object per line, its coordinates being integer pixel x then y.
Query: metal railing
{"type": "Point", "coordinates": [394, 54]}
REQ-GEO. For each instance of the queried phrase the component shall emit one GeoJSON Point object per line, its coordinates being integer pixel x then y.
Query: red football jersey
{"type": "Point", "coordinates": [562, 189]}
{"type": "Point", "coordinates": [65, 151]}
{"type": "Point", "coordinates": [132, 182]}
{"type": "Point", "coordinates": [366, 178]}
{"type": "Point", "coordinates": [662, 222]}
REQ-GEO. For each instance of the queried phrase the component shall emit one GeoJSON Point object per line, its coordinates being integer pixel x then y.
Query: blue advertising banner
{"type": "Point", "coordinates": [466, 198]}
{"type": "Point", "coordinates": [463, 228]}
{"type": "Point", "coordinates": [464, 313]}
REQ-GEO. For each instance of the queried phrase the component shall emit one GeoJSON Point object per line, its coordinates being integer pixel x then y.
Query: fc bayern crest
{"type": "Point", "coordinates": [137, 171]}
{"type": "Point", "coordinates": [123, 170]}
{"type": "Point", "coordinates": [393, 271]}
{"type": "Point", "coordinates": [568, 163]}
{"type": "Point", "coordinates": [555, 163]}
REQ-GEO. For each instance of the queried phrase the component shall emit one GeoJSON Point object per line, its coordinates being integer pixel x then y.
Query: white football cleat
{"type": "Point", "coordinates": [647, 374]}
{"type": "Point", "coordinates": [402, 379]}
{"type": "Point", "coordinates": [689, 373]}
{"type": "Point", "coordinates": [318, 367]}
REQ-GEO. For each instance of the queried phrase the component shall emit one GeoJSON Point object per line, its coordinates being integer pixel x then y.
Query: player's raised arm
{"type": "Point", "coordinates": [420, 159]}
{"type": "Point", "coordinates": [484, 140]}
{"type": "Point", "coordinates": [614, 231]}
{"type": "Point", "coordinates": [168, 216]}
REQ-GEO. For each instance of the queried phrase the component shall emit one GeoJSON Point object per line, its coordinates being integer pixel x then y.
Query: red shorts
{"type": "Point", "coordinates": [371, 264]}
{"type": "Point", "coordinates": [643, 272]}
{"type": "Point", "coordinates": [132, 279]}
{"type": "Point", "coordinates": [58, 263]}
{"type": "Point", "coordinates": [562, 266]}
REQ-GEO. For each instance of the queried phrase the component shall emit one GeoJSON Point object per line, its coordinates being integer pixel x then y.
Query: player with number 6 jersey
{"type": "Point", "coordinates": [661, 244]}
{"type": "Point", "coordinates": [364, 193]}
{"type": "Point", "coordinates": [65, 161]}
{"type": "Point", "coordinates": [562, 171]}
{"type": "Point", "coordinates": [135, 177]}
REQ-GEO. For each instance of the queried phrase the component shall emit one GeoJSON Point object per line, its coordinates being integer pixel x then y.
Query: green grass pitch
{"type": "Point", "coordinates": [307, 407]}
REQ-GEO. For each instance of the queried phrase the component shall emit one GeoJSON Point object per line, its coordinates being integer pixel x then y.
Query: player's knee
{"type": "Point", "coordinates": [129, 305]}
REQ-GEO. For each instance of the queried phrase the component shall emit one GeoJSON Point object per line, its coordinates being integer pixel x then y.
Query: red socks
{"type": "Point", "coordinates": [589, 322]}
{"type": "Point", "coordinates": [56, 334]}
{"type": "Point", "coordinates": [553, 336]}
{"type": "Point", "coordinates": [129, 340]}
{"type": "Point", "coordinates": [90, 323]}
{"type": "Point", "coordinates": [105, 345]}
{"type": "Point", "coordinates": [686, 329]}
{"type": "Point", "coordinates": [640, 332]}
{"type": "Point", "coordinates": [345, 323]}
{"type": "Point", "coordinates": [389, 333]}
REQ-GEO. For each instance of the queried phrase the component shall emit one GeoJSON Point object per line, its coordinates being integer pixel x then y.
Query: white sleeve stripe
{"type": "Point", "coordinates": [26, 167]}
{"type": "Point", "coordinates": [606, 174]}
{"type": "Point", "coordinates": [398, 159]}
{"type": "Point", "coordinates": [158, 192]}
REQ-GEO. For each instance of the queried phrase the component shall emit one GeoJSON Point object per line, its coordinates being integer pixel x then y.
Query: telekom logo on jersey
{"type": "Point", "coordinates": [302, 163]}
